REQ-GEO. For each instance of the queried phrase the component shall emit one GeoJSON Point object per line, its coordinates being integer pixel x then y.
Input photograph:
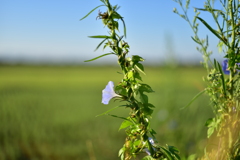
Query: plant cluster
{"type": "Point", "coordinates": [140, 137]}
{"type": "Point", "coordinates": [223, 79]}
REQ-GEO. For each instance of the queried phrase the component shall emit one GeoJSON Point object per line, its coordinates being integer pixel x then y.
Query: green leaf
{"type": "Point", "coordinates": [210, 131]}
{"type": "Point", "coordinates": [124, 27]}
{"type": "Point", "coordinates": [121, 153]}
{"type": "Point", "coordinates": [166, 153]}
{"type": "Point", "coordinates": [105, 113]}
{"type": "Point", "coordinates": [136, 58]}
{"type": "Point", "coordinates": [91, 12]}
{"type": "Point", "coordinates": [100, 44]}
{"type": "Point", "coordinates": [194, 98]}
{"type": "Point", "coordinates": [151, 105]}
{"type": "Point", "coordinates": [147, 111]}
{"type": "Point", "coordinates": [140, 68]}
{"type": "Point", "coordinates": [98, 57]}
{"type": "Point", "coordinates": [212, 30]}
{"type": "Point", "coordinates": [195, 40]}
{"type": "Point", "coordinates": [100, 36]}
{"type": "Point", "coordinates": [125, 124]}
{"type": "Point", "coordinates": [117, 116]}
{"type": "Point", "coordinates": [137, 75]}
{"type": "Point", "coordinates": [222, 78]}
{"type": "Point", "coordinates": [121, 90]}
{"type": "Point", "coordinates": [148, 158]}
{"type": "Point", "coordinates": [152, 132]}
{"type": "Point", "coordinates": [145, 88]}
{"type": "Point", "coordinates": [130, 74]}
{"type": "Point", "coordinates": [174, 151]}
{"type": "Point", "coordinates": [209, 122]}
{"type": "Point", "coordinates": [143, 98]}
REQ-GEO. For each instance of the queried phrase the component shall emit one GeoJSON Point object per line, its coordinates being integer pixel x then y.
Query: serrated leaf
{"type": "Point", "coordinates": [98, 57]}
{"type": "Point", "coordinates": [91, 12]}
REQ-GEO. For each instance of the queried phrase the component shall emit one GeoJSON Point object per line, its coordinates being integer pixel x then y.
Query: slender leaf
{"type": "Point", "coordinates": [212, 30]}
{"type": "Point", "coordinates": [100, 44]}
{"type": "Point", "coordinates": [194, 98]}
{"type": "Point", "coordinates": [117, 117]}
{"type": "Point", "coordinates": [99, 36]}
{"type": "Point", "coordinates": [98, 57]}
{"type": "Point", "coordinates": [195, 40]}
{"type": "Point", "coordinates": [166, 153]}
{"type": "Point", "coordinates": [222, 78]}
{"type": "Point", "coordinates": [109, 110]}
{"type": "Point", "coordinates": [124, 27]}
{"type": "Point", "coordinates": [91, 12]}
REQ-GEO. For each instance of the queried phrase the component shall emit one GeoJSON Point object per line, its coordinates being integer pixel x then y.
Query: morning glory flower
{"type": "Point", "coordinates": [225, 67]}
{"type": "Point", "coordinates": [108, 93]}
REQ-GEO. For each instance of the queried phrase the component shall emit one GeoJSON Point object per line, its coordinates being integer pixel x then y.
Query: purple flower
{"type": "Point", "coordinates": [108, 93]}
{"type": "Point", "coordinates": [225, 67]}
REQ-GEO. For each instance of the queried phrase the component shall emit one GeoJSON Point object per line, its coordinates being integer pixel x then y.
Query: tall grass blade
{"type": "Point", "coordinates": [194, 98]}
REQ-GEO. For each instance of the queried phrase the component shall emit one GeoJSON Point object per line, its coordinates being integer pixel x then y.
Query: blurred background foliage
{"type": "Point", "coordinates": [49, 112]}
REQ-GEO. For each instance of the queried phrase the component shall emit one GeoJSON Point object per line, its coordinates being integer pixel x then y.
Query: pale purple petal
{"type": "Point", "coordinates": [108, 93]}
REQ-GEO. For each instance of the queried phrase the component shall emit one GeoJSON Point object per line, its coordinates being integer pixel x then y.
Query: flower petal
{"type": "Point", "coordinates": [225, 67]}
{"type": "Point", "coordinates": [108, 93]}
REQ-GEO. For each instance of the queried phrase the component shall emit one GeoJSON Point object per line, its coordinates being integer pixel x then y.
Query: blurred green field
{"type": "Point", "coordinates": [49, 112]}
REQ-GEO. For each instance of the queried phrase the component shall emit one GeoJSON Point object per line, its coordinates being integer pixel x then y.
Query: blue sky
{"type": "Point", "coordinates": [51, 30]}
